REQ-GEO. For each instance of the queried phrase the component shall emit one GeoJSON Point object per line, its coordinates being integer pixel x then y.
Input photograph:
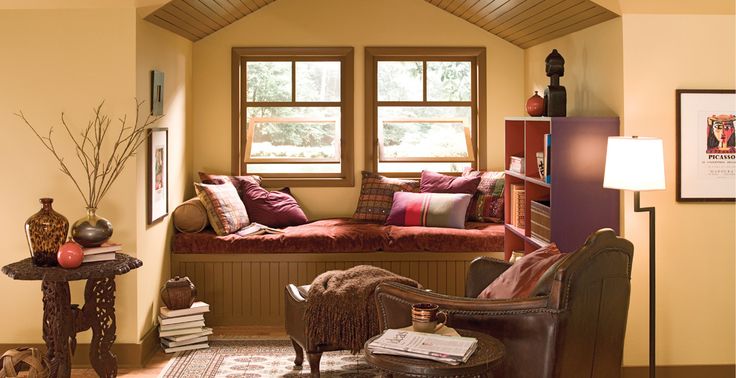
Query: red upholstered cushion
{"type": "Point", "coordinates": [274, 209]}
{"type": "Point", "coordinates": [520, 279]}
{"type": "Point", "coordinates": [433, 182]}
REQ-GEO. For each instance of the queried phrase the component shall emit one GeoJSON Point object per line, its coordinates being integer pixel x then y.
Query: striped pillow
{"type": "Point", "coordinates": [487, 203]}
{"type": "Point", "coordinates": [377, 194]}
{"type": "Point", "coordinates": [429, 209]}
{"type": "Point", "coordinates": [225, 210]}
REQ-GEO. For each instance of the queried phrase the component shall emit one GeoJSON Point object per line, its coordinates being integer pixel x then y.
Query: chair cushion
{"type": "Point", "coordinates": [520, 279]}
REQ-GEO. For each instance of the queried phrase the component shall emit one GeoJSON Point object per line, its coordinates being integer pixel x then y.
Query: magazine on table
{"type": "Point", "coordinates": [450, 350]}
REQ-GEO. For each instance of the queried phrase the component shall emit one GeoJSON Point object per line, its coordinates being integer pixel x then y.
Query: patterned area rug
{"type": "Point", "coordinates": [260, 358]}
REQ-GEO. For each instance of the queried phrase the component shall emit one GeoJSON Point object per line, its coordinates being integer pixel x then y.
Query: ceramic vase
{"type": "Point", "coordinates": [535, 105]}
{"type": "Point", "coordinates": [91, 230]}
{"type": "Point", "coordinates": [45, 232]}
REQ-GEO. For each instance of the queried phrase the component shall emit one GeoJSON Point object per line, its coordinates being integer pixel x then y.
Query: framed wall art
{"type": "Point", "coordinates": [158, 174]}
{"type": "Point", "coordinates": [706, 145]}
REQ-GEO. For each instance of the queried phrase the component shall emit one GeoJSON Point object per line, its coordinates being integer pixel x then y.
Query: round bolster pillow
{"type": "Point", "coordinates": [190, 216]}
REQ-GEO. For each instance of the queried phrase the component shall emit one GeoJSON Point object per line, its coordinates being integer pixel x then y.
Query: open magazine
{"type": "Point", "coordinates": [450, 350]}
{"type": "Point", "coordinates": [258, 229]}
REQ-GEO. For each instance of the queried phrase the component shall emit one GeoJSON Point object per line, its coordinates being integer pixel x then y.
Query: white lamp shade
{"type": "Point", "coordinates": [634, 163]}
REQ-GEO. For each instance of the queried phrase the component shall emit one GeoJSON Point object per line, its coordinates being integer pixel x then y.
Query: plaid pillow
{"type": "Point", "coordinates": [377, 195]}
{"type": "Point", "coordinates": [487, 203]}
{"type": "Point", "coordinates": [225, 210]}
{"type": "Point", "coordinates": [211, 179]}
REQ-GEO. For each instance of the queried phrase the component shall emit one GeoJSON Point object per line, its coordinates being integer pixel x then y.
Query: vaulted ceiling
{"type": "Point", "coordinates": [524, 23]}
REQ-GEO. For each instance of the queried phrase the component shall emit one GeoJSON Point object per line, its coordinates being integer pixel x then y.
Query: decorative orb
{"type": "Point", "coordinates": [70, 255]}
{"type": "Point", "coordinates": [535, 105]}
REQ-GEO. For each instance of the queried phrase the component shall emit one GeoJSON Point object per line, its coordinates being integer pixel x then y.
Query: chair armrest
{"type": "Point", "coordinates": [394, 303]}
{"type": "Point", "coordinates": [482, 271]}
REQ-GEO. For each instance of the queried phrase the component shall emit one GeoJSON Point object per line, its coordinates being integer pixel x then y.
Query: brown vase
{"type": "Point", "coordinates": [91, 230]}
{"type": "Point", "coordinates": [535, 105]}
{"type": "Point", "coordinates": [178, 293]}
{"type": "Point", "coordinates": [46, 231]}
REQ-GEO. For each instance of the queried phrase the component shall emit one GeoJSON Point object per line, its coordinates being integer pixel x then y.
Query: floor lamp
{"type": "Point", "coordinates": [637, 164]}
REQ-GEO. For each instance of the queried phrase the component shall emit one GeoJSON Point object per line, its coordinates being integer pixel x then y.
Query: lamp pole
{"type": "Point", "coordinates": [652, 282]}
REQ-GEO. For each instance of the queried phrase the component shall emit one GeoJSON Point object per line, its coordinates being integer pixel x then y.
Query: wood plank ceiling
{"type": "Point", "coordinates": [524, 23]}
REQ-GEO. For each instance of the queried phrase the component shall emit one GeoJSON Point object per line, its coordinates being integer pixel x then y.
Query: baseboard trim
{"type": "Point", "coordinates": [129, 355]}
{"type": "Point", "coordinates": [682, 371]}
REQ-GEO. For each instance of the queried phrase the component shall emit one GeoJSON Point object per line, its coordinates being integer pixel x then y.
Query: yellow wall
{"type": "Point", "coordinates": [630, 67]}
{"type": "Point", "coordinates": [54, 61]}
{"type": "Point", "coordinates": [164, 51]}
{"type": "Point", "coordinates": [695, 242]}
{"type": "Point", "coordinates": [356, 23]}
{"type": "Point", "coordinates": [593, 69]}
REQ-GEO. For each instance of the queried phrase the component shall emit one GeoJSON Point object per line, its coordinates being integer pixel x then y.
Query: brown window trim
{"type": "Point", "coordinates": [347, 103]}
{"type": "Point", "coordinates": [477, 55]}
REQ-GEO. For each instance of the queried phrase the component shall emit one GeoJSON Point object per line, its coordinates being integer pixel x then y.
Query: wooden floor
{"type": "Point", "coordinates": [160, 359]}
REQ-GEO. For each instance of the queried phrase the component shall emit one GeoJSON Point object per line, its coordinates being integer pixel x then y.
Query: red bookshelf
{"type": "Point", "coordinates": [579, 204]}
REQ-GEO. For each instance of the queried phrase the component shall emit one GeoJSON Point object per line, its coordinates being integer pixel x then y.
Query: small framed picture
{"type": "Point", "coordinates": [158, 174]}
{"type": "Point", "coordinates": [157, 93]}
{"type": "Point", "coordinates": [706, 145]}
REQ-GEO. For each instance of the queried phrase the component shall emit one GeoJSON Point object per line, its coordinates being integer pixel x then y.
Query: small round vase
{"type": "Point", "coordinates": [45, 232]}
{"type": "Point", "coordinates": [91, 230]}
{"type": "Point", "coordinates": [535, 105]}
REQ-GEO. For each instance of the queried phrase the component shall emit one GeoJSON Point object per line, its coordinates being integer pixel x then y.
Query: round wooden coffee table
{"type": "Point", "coordinates": [489, 353]}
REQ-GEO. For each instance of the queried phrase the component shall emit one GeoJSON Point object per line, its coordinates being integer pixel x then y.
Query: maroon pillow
{"type": "Point", "coordinates": [208, 178]}
{"type": "Point", "coordinates": [519, 280]}
{"type": "Point", "coordinates": [433, 182]}
{"type": "Point", "coordinates": [273, 209]}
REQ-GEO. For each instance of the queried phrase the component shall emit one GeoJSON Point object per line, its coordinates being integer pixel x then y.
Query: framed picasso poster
{"type": "Point", "coordinates": [706, 145]}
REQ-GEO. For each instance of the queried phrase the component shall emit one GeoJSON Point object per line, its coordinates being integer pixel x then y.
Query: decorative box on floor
{"type": "Point", "coordinates": [184, 329]}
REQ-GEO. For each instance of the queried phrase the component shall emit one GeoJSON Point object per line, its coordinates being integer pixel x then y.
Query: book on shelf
{"type": "Point", "coordinates": [204, 332]}
{"type": "Point", "coordinates": [180, 319]}
{"type": "Point", "coordinates": [258, 229]}
{"type": "Point", "coordinates": [104, 248]}
{"type": "Point", "coordinates": [516, 164]}
{"type": "Point", "coordinates": [185, 347]}
{"type": "Point", "coordinates": [517, 205]}
{"type": "Point", "coordinates": [106, 256]}
{"type": "Point", "coordinates": [547, 158]}
{"type": "Point", "coordinates": [450, 350]}
{"type": "Point", "coordinates": [540, 220]}
{"type": "Point", "coordinates": [187, 325]}
{"type": "Point", "coordinates": [197, 308]}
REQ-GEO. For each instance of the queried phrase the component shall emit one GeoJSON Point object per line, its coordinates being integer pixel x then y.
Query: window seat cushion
{"type": "Point", "coordinates": [347, 235]}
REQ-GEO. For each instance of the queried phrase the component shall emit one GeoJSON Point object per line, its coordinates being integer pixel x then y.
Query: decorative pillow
{"type": "Point", "coordinates": [190, 216]}
{"type": "Point", "coordinates": [433, 182]}
{"type": "Point", "coordinates": [211, 179]}
{"type": "Point", "coordinates": [273, 209]}
{"type": "Point", "coordinates": [519, 279]}
{"type": "Point", "coordinates": [377, 194]}
{"type": "Point", "coordinates": [487, 203]}
{"type": "Point", "coordinates": [225, 210]}
{"type": "Point", "coordinates": [429, 209]}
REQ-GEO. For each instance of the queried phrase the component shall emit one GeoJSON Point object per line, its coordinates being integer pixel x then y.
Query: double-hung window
{"type": "Point", "coordinates": [293, 115]}
{"type": "Point", "coordinates": [425, 109]}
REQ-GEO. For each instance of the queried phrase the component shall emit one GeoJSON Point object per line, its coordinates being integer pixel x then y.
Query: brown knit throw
{"type": "Point", "coordinates": [341, 308]}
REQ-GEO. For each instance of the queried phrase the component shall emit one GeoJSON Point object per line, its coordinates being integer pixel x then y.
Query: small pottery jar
{"type": "Point", "coordinates": [91, 230]}
{"type": "Point", "coordinates": [535, 105]}
{"type": "Point", "coordinates": [178, 293]}
{"type": "Point", "coordinates": [45, 232]}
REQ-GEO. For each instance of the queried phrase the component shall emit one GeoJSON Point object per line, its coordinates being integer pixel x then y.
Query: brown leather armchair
{"type": "Point", "coordinates": [572, 326]}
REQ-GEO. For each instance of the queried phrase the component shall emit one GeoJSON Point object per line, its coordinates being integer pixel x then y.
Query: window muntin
{"type": "Point", "coordinates": [423, 109]}
{"type": "Point", "coordinates": [295, 113]}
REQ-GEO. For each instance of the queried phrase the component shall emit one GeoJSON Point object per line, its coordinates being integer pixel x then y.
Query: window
{"type": "Point", "coordinates": [293, 115]}
{"type": "Point", "coordinates": [425, 109]}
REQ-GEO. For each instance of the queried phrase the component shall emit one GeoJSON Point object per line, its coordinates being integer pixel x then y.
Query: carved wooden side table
{"type": "Point", "coordinates": [487, 356]}
{"type": "Point", "coordinates": [62, 320]}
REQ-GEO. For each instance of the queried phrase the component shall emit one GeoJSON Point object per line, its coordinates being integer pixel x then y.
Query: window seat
{"type": "Point", "coordinates": [341, 235]}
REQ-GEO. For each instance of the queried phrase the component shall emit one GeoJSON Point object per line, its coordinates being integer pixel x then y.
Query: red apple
{"type": "Point", "coordinates": [70, 255]}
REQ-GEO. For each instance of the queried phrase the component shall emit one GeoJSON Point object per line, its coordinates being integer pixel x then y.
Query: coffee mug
{"type": "Point", "coordinates": [424, 317]}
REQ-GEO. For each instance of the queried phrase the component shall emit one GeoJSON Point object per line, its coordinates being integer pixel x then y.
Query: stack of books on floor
{"type": "Point", "coordinates": [428, 346]}
{"type": "Point", "coordinates": [184, 329]}
{"type": "Point", "coordinates": [105, 252]}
